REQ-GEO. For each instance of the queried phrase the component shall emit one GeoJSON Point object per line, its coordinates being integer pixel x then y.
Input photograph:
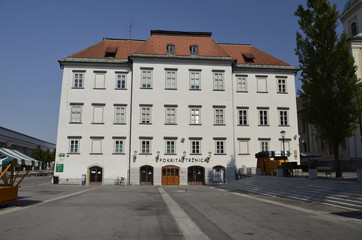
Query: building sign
{"type": "Point", "coordinates": [59, 167]}
{"type": "Point", "coordinates": [184, 160]}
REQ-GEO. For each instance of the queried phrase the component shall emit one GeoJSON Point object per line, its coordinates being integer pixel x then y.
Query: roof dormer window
{"type": "Point", "coordinates": [248, 57]}
{"type": "Point", "coordinates": [171, 49]}
{"type": "Point", "coordinates": [194, 50]}
{"type": "Point", "coordinates": [111, 52]}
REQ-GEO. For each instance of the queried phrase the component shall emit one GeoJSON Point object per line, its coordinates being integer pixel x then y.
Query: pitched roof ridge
{"type": "Point", "coordinates": [123, 39]}
{"type": "Point", "coordinates": [238, 44]}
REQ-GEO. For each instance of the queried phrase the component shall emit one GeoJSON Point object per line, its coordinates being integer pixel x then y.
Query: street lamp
{"type": "Point", "coordinates": [282, 133]}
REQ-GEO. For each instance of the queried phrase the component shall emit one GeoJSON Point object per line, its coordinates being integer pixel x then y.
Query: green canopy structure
{"type": "Point", "coordinates": [9, 159]}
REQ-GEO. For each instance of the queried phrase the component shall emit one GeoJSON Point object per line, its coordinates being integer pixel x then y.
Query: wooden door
{"type": "Point", "coordinates": [95, 174]}
{"type": "Point", "coordinates": [170, 176]}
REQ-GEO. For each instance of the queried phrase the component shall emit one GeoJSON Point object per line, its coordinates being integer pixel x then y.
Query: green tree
{"type": "Point", "coordinates": [38, 154]}
{"type": "Point", "coordinates": [330, 90]}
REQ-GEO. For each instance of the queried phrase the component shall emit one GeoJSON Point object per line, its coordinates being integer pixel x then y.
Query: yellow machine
{"type": "Point", "coordinates": [269, 161]}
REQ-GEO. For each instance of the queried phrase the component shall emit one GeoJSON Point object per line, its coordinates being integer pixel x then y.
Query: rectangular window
{"type": "Point", "coordinates": [78, 80]}
{"type": "Point", "coordinates": [170, 147]}
{"type": "Point", "coordinates": [73, 146]}
{"type": "Point", "coordinates": [220, 146]}
{"type": "Point", "coordinates": [76, 114]}
{"type": "Point", "coordinates": [145, 146]}
{"type": "Point", "coordinates": [195, 147]}
{"type": "Point", "coordinates": [119, 114]}
{"type": "Point", "coordinates": [121, 81]}
{"type": "Point", "coordinates": [146, 79]}
{"type": "Point", "coordinates": [263, 117]}
{"type": "Point", "coordinates": [243, 146]}
{"type": "Point", "coordinates": [98, 114]}
{"type": "Point", "coordinates": [195, 116]}
{"type": "Point", "coordinates": [171, 80]}
{"type": "Point", "coordinates": [264, 146]}
{"type": "Point", "coordinates": [118, 146]}
{"type": "Point", "coordinates": [145, 115]}
{"type": "Point", "coordinates": [194, 80]}
{"type": "Point", "coordinates": [261, 82]}
{"type": "Point", "coordinates": [99, 81]}
{"type": "Point", "coordinates": [282, 85]}
{"type": "Point", "coordinates": [283, 117]}
{"type": "Point", "coordinates": [219, 116]}
{"type": "Point", "coordinates": [97, 146]}
{"type": "Point", "coordinates": [241, 84]}
{"type": "Point", "coordinates": [170, 115]}
{"type": "Point", "coordinates": [218, 81]}
{"type": "Point", "coordinates": [243, 117]}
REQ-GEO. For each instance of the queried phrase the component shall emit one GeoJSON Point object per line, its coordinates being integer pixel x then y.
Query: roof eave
{"type": "Point", "coordinates": [182, 57]}
{"type": "Point", "coordinates": [92, 60]}
{"type": "Point", "coordinates": [268, 67]}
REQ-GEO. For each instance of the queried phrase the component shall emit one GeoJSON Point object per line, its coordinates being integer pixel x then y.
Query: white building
{"type": "Point", "coordinates": [175, 109]}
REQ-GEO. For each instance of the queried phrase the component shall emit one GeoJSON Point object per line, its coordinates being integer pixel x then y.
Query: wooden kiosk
{"type": "Point", "coordinates": [269, 161]}
{"type": "Point", "coordinates": [9, 160]}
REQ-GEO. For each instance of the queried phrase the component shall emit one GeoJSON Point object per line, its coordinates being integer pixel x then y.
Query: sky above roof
{"type": "Point", "coordinates": [36, 34]}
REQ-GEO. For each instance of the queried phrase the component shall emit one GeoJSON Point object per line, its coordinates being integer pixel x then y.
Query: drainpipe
{"type": "Point", "coordinates": [130, 127]}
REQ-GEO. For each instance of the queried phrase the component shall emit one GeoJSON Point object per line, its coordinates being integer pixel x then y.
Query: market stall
{"type": "Point", "coordinates": [11, 162]}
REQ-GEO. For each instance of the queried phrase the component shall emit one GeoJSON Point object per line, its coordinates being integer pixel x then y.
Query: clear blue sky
{"type": "Point", "coordinates": [35, 34]}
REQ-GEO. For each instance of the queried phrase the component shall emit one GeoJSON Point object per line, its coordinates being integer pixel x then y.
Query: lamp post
{"type": "Point", "coordinates": [285, 173]}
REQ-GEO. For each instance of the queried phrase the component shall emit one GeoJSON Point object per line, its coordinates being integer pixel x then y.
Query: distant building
{"type": "Point", "coordinates": [21, 142]}
{"type": "Point", "coordinates": [351, 150]}
{"type": "Point", "coordinates": [177, 108]}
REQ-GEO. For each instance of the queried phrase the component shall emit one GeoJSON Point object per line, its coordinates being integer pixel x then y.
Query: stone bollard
{"type": "Point", "coordinates": [258, 172]}
{"type": "Point", "coordinates": [359, 175]}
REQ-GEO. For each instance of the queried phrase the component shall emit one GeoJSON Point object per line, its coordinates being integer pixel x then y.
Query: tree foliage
{"type": "Point", "coordinates": [330, 90]}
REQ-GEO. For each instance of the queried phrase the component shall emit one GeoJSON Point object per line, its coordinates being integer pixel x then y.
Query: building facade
{"type": "Point", "coordinates": [177, 108]}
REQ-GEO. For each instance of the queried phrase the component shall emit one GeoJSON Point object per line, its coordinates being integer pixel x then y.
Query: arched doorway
{"type": "Point", "coordinates": [170, 175]}
{"type": "Point", "coordinates": [146, 175]}
{"type": "Point", "coordinates": [219, 174]}
{"type": "Point", "coordinates": [196, 175]}
{"type": "Point", "coordinates": [95, 175]}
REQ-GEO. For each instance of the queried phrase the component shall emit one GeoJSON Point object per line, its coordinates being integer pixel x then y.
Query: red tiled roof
{"type": "Point", "coordinates": [157, 45]}
{"type": "Point", "coordinates": [123, 48]}
{"type": "Point", "coordinates": [260, 58]}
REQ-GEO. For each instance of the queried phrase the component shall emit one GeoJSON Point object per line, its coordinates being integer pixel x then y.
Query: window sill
{"type": "Point", "coordinates": [145, 123]}
{"type": "Point", "coordinates": [243, 125]}
{"type": "Point", "coordinates": [170, 154]}
{"type": "Point", "coordinates": [77, 87]}
{"type": "Point", "coordinates": [145, 154]}
{"type": "Point", "coordinates": [119, 123]}
{"type": "Point", "coordinates": [216, 154]}
{"type": "Point", "coordinates": [282, 92]}
{"type": "Point", "coordinates": [199, 154]}
{"type": "Point", "coordinates": [170, 123]}
{"type": "Point", "coordinates": [244, 154]}
{"type": "Point", "coordinates": [149, 88]}
{"type": "Point", "coordinates": [284, 126]}
{"type": "Point", "coordinates": [95, 153]}
{"type": "Point", "coordinates": [118, 154]}
{"type": "Point", "coordinates": [194, 124]}
{"type": "Point", "coordinates": [120, 89]}
{"type": "Point", "coordinates": [170, 88]}
{"type": "Point", "coordinates": [75, 122]}
{"type": "Point", "coordinates": [264, 125]}
{"type": "Point", "coordinates": [73, 153]}
{"type": "Point", "coordinates": [221, 90]}
{"type": "Point", "coordinates": [192, 89]}
{"type": "Point", "coordinates": [261, 92]}
{"type": "Point", "coordinates": [99, 88]}
{"type": "Point", "coordinates": [220, 125]}
{"type": "Point", "coordinates": [98, 123]}
{"type": "Point", "coordinates": [242, 91]}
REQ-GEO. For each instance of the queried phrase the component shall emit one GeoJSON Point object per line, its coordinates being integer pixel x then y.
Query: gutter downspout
{"type": "Point", "coordinates": [130, 127]}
